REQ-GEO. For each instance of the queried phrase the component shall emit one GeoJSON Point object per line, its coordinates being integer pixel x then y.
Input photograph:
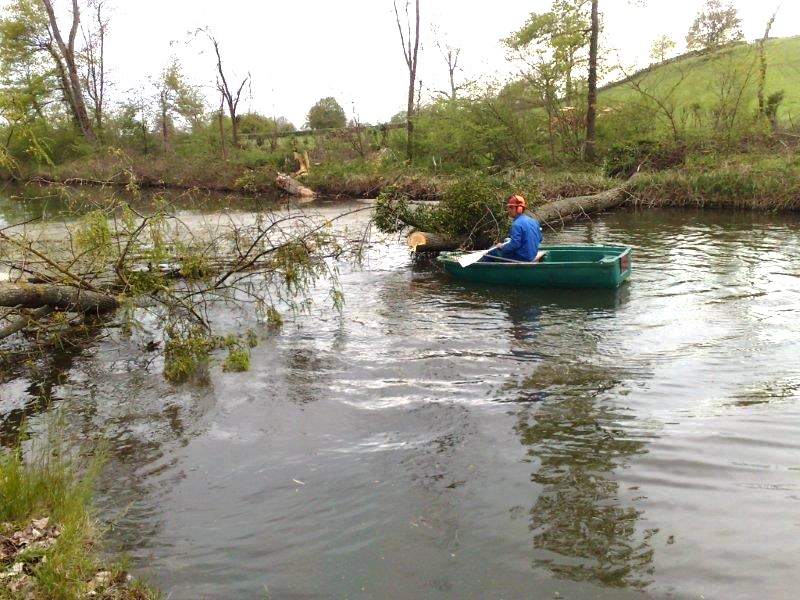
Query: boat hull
{"type": "Point", "coordinates": [580, 266]}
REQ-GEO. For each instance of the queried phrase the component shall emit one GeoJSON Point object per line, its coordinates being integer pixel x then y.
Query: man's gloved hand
{"type": "Point", "coordinates": [501, 244]}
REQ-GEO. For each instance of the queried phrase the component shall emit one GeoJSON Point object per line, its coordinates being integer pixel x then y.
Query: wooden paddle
{"type": "Point", "coordinates": [472, 257]}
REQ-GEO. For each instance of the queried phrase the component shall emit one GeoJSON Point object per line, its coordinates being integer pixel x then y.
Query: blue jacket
{"type": "Point", "coordinates": [525, 236]}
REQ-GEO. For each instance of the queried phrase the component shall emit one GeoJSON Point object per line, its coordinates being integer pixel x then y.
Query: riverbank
{"type": "Point", "coordinates": [739, 181]}
{"type": "Point", "coordinates": [49, 542]}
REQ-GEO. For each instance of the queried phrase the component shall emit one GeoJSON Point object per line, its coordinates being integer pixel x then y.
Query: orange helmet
{"type": "Point", "coordinates": [517, 202]}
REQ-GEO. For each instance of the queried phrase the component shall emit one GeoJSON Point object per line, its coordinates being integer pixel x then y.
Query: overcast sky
{"type": "Point", "coordinates": [299, 52]}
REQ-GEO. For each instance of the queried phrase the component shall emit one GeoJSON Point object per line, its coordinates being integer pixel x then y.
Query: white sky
{"type": "Point", "coordinates": [298, 52]}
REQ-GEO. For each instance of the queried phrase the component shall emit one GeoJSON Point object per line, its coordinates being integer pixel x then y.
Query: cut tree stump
{"type": "Point", "coordinates": [425, 241]}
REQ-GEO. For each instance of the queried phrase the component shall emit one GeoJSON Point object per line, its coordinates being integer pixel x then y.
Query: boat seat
{"type": "Point", "coordinates": [539, 256]}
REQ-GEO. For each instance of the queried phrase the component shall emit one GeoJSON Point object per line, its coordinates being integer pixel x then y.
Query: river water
{"type": "Point", "coordinates": [444, 440]}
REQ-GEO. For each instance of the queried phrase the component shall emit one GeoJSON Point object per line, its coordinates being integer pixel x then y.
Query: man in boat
{"type": "Point", "coordinates": [524, 236]}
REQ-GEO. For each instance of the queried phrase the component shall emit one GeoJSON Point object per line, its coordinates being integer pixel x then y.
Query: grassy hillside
{"type": "Point", "coordinates": [703, 88]}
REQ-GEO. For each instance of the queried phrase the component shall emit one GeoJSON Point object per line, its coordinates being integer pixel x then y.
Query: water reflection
{"type": "Point", "coordinates": [583, 528]}
{"type": "Point", "coordinates": [43, 371]}
{"type": "Point", "coordinates": [105, 396]}
{"type": "Point", "coordinates": [21, 203]}
{"type": "Point", "coordinates": [518, 300]}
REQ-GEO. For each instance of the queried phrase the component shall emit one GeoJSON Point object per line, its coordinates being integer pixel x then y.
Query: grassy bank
{"type": "Point", "coordinates": [755, 181]}
{"type": "Point", "coordinates": [737, 182]}
{"type": "Point", "coordinates": [760, 179]}
{"type": "Point", "coordinates": [48, 539]}
{"type": "Point", "coordinates": [113, 167]}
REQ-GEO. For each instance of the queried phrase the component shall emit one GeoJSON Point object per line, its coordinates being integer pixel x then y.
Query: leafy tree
{"type": "Point", "coordinates": [326, 114]}
{"type": "Point", "coordinates": [176, 97]}
{"type": "Point", "coordinates": [263, 129]}
{"type": "Point", "coordinates": [478, 133]}
{"type": "Point", "coordinates": [132, 122]}
{"type": "Point", "coordinates": [36, 55]}
{"type": "Point", "coordinates": [470, 208]}
{"type": "Point", "coordinates": [662, 46]}
{"type": "Point", "coordinates": [550, 47]}
{"type": "Point", "coordinates": [714, 26]}
{"type": "Point", "coordinates": [558, 35]}
{"type": "Point", "coordinates": [31, 37]}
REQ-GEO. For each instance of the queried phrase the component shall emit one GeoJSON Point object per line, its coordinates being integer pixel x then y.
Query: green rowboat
{"type": "Point", "coordinates": [558, 266]}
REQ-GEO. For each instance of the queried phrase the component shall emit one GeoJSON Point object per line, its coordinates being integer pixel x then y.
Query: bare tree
{"type": "Point", "coordinates": [664, 96]}
{"type": "Point", "coordinates": [65, 58]}
{"type": "Point", "coordinates": [450, 55]}
{"type": "Point", "coordinates": [94, 77]}
{"type": "Point", "coordinates": [731, 83]}
{"type": "Point", "coordinates": [229, 97]}
{"type": "Point", "coordinates": [410, 49]}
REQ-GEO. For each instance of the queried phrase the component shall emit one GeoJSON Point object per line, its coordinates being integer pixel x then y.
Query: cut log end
{"type": "Point", "coordinates": [415, 239]}
{"type": "Point", "coordinates": [425, 241]}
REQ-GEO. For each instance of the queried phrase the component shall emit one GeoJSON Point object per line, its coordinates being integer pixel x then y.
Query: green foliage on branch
{"type": "Point", "coordinates": [471, 207]}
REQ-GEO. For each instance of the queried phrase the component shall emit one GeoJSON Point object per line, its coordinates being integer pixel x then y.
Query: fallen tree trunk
{"type": "Point", "coordinates": [564, 210]}
{"type": "Point", "coordinates": [424, 241]}
{"type": "Point", "coordinates": [293, 186]}
{"type": "Point", "coordinates": [551, 214]}
{"type": "Point", "coordinates": [61, 297]}
{"type": "Point", "coordinates": [24, 321]}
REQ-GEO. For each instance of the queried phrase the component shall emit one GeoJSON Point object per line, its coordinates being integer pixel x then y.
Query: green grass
{"type": "Point", "coordinates": [751, 181]}
{"type": "Point", "coordinates": [50, 480]}
{"type": "Point", "coordinates": [699, 79]}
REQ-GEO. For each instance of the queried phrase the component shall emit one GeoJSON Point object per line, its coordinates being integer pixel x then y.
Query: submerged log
{"type": "Point", "coordinates": [25, 321]}
{"type": "Point", "coordinates": [551, 214]}
{"type": "Point", "coordinates": [294, 187]}
{"type": "Point", "coordinates": [61, 297]}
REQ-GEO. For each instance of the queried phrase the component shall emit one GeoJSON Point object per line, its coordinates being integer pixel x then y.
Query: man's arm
{"type": "Point", "coordinates": [516, 237]}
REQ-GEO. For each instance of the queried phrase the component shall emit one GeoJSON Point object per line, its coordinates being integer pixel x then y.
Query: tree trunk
{"type": "Point", "coordinates": [562, 211]}
{"type": "Point", "coordinates": [222, 130]}
{"type": "Point", "coordinates": [62, 297]}
{"type": "Point", "coordinates": [293, 186]}
{"type": "Point", "coordinates": [231, 99]}
{"type": "Point", "coordinates": [410, 51]}
{"type": "Point", "coordinates": [591, 107]}
{"type": "Point", "coordinates": [425, 241]}
{"type": "Point", "coordinates": [762, 66]}
{"type": "Point", "coordinates": [64, 56]}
